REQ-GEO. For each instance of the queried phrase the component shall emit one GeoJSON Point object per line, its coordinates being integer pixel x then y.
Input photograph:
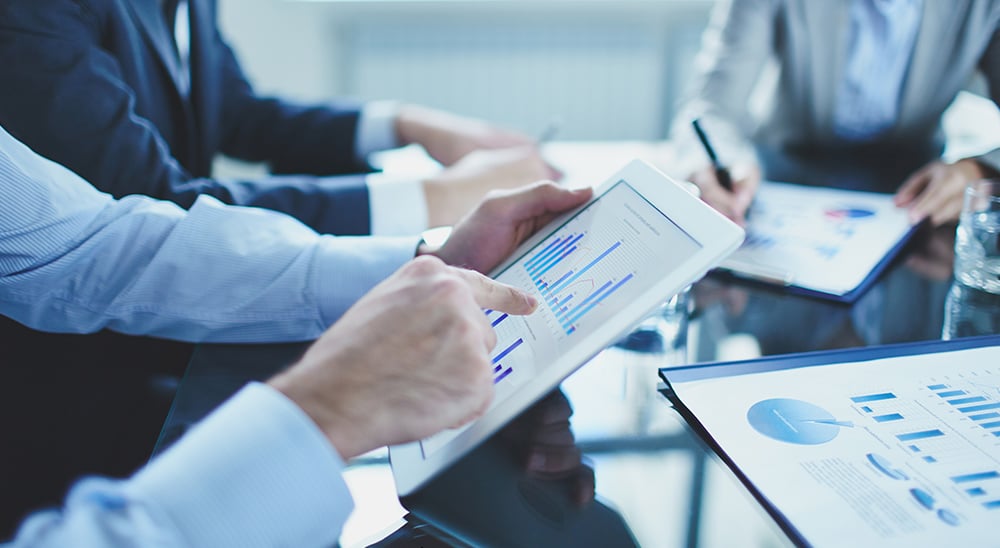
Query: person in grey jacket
{"type": "Point", "coordinates": [871, 78]}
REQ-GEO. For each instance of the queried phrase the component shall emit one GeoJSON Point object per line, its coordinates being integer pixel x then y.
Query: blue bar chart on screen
{"type": "Point", "coordinates": [581, 273]}
{"type": "Point", "coordinates": [567, 268]}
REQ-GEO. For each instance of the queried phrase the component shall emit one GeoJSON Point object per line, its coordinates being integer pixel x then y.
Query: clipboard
{"type": "Point", "coordinates": [806, 239]}
{"type": "Point", "coordinates": [673, 378]}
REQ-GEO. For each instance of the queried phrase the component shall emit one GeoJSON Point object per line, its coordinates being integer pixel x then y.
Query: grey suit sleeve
{"type": "Point", "coordinates": [735, 48]}
{"type": "Point", "coordinates": [990, 65]}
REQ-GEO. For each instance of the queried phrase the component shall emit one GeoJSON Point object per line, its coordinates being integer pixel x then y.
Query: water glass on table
{"type": "Point", "coordinates": [977, 244]}
{"type": "Point", "coordinates": [970, 313]}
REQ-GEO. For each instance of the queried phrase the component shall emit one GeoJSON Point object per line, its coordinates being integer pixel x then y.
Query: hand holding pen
{"type": "Point", "coordinates": [730, 193]}
{"type": "Point", "coordinates": [721, 172]}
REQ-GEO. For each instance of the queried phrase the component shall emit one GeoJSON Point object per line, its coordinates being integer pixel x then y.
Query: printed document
{"type": "Point", "coordinates": [820, 239]}
{"type": "Point", "coordinates": [901, 451]}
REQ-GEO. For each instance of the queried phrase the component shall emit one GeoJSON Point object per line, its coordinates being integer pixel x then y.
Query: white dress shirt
{"type": "Point", "coordinates": [880, 45]}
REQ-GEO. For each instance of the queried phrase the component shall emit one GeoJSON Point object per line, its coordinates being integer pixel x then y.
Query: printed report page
{"type": "Point", "coordinates": [901, 451]}
{"type": "Point", "coordinates": [818, 238]}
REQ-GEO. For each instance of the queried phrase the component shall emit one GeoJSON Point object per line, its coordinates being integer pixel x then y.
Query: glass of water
{"type": "Point", "coordinates": [970, 313]}
{"type": "Point", "coordinates": [977, 244]}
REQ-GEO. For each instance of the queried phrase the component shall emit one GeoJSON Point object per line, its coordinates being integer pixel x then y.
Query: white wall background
{"type": "Point", "coordinates": [601, 69]}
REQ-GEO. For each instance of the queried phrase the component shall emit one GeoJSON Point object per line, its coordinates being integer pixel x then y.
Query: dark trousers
{"type": "Point", "coordinates": [76, 405]}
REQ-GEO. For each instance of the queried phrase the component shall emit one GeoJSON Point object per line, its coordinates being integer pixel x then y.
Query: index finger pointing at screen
{"type": "Point", "coordinates": [490, 293]}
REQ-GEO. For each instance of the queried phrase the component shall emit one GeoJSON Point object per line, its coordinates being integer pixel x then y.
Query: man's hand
{"type": "Point", "coordinates": [937, 190]}
{"type": "Point", "coordinates": [448, 137]}
{"type": "Point", "coordinates": [502, 221]}
{"type": "Point", "coordinates": [456, 190]}
{"type": "Point", "coordinates": [734, 205]}
{"type": "Point", "coordinates": [408, 360]}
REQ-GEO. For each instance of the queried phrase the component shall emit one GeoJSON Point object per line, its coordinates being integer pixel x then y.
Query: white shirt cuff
{"type": "Point", "coordinates": [397, 203]}
{"type": "Point", "coordinates": [256, 472]}
{"type": "Point", "coordinates": [376, 128]}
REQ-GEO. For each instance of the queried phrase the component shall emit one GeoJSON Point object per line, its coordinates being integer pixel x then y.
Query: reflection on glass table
{"type": "Point", "coordinates": [970, 312]}
{"type": "Point", "coordinates": [649, 468]}
{"type": "Point", "coordinates": [528, 485]}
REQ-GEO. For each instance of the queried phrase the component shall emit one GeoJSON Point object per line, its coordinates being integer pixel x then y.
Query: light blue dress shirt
{"type": "Point", "coordinates": [73, 259]}
{"type": "Point", "coordinates": [256, 472]}
{"type": "Point", "coordinates": [881, 39]}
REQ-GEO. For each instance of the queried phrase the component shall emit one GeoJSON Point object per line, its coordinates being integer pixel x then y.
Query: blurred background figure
{"type": "Point", "coordinates": [859, 81]}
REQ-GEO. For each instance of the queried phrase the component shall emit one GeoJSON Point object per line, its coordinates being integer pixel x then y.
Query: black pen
{"type": "Point", "coordinates": [548, 133]}
{"type": "Point", "coordinates": [721, 173]}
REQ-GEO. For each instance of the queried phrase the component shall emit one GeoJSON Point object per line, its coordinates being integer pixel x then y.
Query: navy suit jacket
{"type": "Point", "coordinates": [96, 86]}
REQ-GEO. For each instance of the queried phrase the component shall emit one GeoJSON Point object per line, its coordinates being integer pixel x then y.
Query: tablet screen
{"type": "Point", "coordinates": [591, 266]}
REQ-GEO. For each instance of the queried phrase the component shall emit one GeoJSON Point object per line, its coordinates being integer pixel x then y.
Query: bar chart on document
{"type": "Point", "coordinates": [896, 451]}
{"type": "Point", "coordinates": [961, 441]}
{"type": "Point", "coordinates": [944, 435]}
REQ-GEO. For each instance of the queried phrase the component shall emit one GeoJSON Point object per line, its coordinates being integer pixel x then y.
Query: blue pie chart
{"type": "Point", "coordinates": [794, 421]}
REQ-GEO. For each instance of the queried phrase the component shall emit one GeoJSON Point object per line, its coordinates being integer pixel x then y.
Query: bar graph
{"type": "Point", "coordinates": [922, 435]}
{"type": "Point", "coordinates": [980, 484]}
{"type": "Point", "coordinates": [972, 399]}
{"type": "Point", "coordinates": [965, 401]}
{"type": "Point", "coordinates": [890, 417]}
{"type": "Point", "coordinates": [591, 265]}
{"type": "Point", "coordinates": [499, 371]}
{"type": "Point", "coordinates": [968, 404]}
{"type": "Point", "coordinates": [976, 408]}
{"type": "Point", "coordinates": [575, 275]}
{"type": "Point", "coordinates": [874, 397]}
{"type": "Point", "coordinates": [980, 476]}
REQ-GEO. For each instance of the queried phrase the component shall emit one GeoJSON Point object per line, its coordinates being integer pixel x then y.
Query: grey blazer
{"type": "Point", "coordinates": [808, 39]}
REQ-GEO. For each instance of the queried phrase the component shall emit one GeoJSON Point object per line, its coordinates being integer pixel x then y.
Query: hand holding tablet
{"type": "Point", "coordinates": [596, 272]}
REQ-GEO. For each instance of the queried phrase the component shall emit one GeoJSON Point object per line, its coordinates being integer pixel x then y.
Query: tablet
{"type": "Point", "coordinates": [597, 271]}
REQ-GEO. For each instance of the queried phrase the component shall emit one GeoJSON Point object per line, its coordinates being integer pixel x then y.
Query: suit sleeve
{"type": "Point", "coordinates": [291, 138]}
{"type": "Point", "coordinates": [64, 96]}
{"type": "Point", "coordinates": [990, 65]}
{"type": "Point", "coordinates": [735, 47]}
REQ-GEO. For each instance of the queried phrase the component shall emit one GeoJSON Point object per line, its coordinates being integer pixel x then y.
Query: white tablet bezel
{"type": "Point", "coordinates": [717, 236]}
